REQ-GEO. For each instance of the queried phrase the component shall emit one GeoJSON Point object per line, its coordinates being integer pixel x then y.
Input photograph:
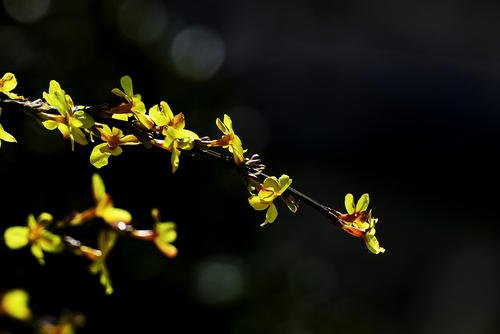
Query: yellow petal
{"type": "Point", "coordinates": [37, 252]}
{"type": "Point", "coordinates": [8, 82]}
{"type": "Point", "coordinates": [174, 159]}
{"type": "Point", "coordinates": [363, 202]}
{"type": "Point", "coordinates": [284, 182]}
{"type": "Point", "coordinates": [228, 123]}
{"type": "Point", "coordinates": [114, 216]}
{"type": "Point", "coordinates": [16, 237]}
{"type": "Point", "coordinates": [165, 108]}
{"type": "Point", "coordinates": [14, 303]}
{"type": "Point", "coordinates": [222, 126]}
{"type": "Point", "coordinates": [271, 215]}
{"type": "Point", "coordinates": [100, 155]}
{"type": "Point", "coordinates": [166, 231]}
{"type": "Point", "coordinates": [79, 136]}
{"type": "Point", "coordinates": [372, 244]}
{"type": "Point", "coordinates": [159, 118]}
{"type": "Point", "coordinates": [349, 203]}
{"type": "Point", "coordinates": [166, 248]}
{"type": "Point", "coordinates": [257, 203]}
{"type": "Point", "coordinates": [98, 188]}
{"type": "Point", "coordinates": [4, 135]}
{"type": "Point", "coordinates": [126, 83]}
{"type": "Point", "coordinates": [50, 125]}
{"type": "Point", "coordinates": [50, 242]}
{"type": "Point", "coordinates": [271, 183]}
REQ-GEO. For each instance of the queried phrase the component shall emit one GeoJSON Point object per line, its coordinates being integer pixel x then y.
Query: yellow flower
{"type": "Point", "coordinates": [230, 140]}
{"type": "Point", "coordinates": [36, 234]}
{"type": "Point", "coordinates": [163, 117]}
{"type": "Point", "coordinates": [71, 122]}
{"type": "Point", "coordinates": [104, 204]}
{"type": "Point", "coordinates": [164, 235]}
{"type": "Point", "coordinates": [177, 140]}
{"type": "Point", "coordinates": [14, 303]}
{"type": "Point", "coordinates": [105, 241]}
{"type": "Point", "coordinates": [358, 221]}
{"type": "Point", "coordinates": [111, 146]}
{"type": "Point", "coordinates": [7, 83]}
{"type": "Point", "coordinates": [133, 106]}
{"type": "Point", "coordinates": [269, 190]}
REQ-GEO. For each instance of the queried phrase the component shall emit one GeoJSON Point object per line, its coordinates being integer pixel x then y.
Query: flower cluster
{"type": "Point", "coordinates": [112, 127]}
{"type": "Point", "coordinates": [41, 233]}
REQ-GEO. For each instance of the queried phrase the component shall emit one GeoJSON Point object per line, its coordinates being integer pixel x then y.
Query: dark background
{"type": "Point", "coordinates": [398, 99]}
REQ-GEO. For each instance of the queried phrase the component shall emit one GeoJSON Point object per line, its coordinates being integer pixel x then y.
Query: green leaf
{"type": "Point", "coordinates": [363, 202]}
{"type": "Point", "coordinates": [14, 303]}
{"type": "Point", "coordinates": [100, 155]}
{"type": "Point", "coordinates": [98, 188]}
{"type": "Point", "coordinates": [349, 203]}
{"type": "Point", "coordinates": [16, 237]}
{"type": "Point", "coordinates": [126, 83]}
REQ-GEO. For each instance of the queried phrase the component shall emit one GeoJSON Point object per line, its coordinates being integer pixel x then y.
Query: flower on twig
{"type": "Point", "coordinates": [268, 191]}
{"type": "Point", "coordinates": [113, 139]}
{"type": "Point", "coordinates": [36, 234]}
{"type": "Point", "coordinates": [230, 140]}
{"type": "Point", "coordinates": [358, 221]}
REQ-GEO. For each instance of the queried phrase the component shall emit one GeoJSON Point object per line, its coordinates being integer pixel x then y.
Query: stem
{"type": "Point", "coordinates": [103, 112]}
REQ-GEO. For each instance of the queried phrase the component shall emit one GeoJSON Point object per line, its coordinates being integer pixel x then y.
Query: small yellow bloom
{"type": "Point", "coordinates": [133, 106]}
{"type": "Point", "coordinates": [358, 221]}
{"type": "Point", "coordinates": [163, 117]}
{"type": "Point", "coordinates": [105, 241]}
{"type": "Point", "coordinates": [36, 234]}
{"type": "Point", "coordinates": [72, 122]}
{"type": "Point", "coordinates": [14, 303]}
{"type": "Point", "coordinates": [230, 140]}
{"type": "Point", "coordinates": [177, 140]}
{"type": "Point", "coordinates": [269, 190]}
{"type": "Point", "coordinates": [111, 146]}
{"type": "Point", "coordinates": [7, 83]}
{"type": "Point", "coordinates": [104, 204]}
{"type": "Point", "coordinates": [164, 235]}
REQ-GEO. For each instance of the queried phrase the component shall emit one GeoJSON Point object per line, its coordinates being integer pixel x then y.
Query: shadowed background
{"type": "Point", "coordinates": [398, 99]}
